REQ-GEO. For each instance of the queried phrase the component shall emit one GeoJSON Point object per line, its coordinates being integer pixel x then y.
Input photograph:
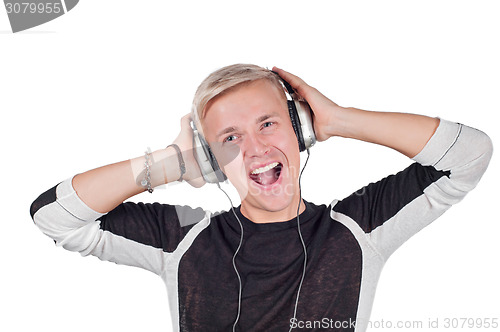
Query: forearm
{"type": "Point", "coordinates": [104, 188]}
{"type": "Point", "coordinates": [403, 132]}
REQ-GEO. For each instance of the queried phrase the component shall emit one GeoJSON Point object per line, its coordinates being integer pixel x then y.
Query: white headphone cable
{"type": "Point", "coordinates": [234, 258]}
{"type": "Point", "coordinates": [303, 245]}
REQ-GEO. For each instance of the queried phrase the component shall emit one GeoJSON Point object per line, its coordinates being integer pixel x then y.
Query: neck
{"type": "Point", "coordinates": [262, 216]}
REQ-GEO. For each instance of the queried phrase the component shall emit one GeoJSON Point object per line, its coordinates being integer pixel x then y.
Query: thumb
{"type": "Point", "coordinates": [296, 82]}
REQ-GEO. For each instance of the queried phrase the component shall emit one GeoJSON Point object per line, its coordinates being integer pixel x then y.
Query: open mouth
{"type": "Point", "coordinates": [267, 175]}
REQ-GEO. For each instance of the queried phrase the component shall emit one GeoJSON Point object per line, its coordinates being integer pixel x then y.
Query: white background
{"type": "Point", "coordinates": [110, 78]}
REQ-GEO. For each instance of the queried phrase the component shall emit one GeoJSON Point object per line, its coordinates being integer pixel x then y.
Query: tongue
{"type": "Point", "coordinates": [266, 178]}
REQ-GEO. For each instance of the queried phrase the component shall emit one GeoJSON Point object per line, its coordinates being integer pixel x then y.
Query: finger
{"type": "Point", "coordinates": [185, 120]}
{"type": "Point", "coordinates": [296, 82]}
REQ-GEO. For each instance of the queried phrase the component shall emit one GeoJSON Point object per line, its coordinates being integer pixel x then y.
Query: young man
{"type": "Point", "coordinates": [242, 112]}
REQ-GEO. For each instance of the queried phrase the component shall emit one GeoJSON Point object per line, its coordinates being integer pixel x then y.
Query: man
{"type": "Point", "coordinates": [243, 271]}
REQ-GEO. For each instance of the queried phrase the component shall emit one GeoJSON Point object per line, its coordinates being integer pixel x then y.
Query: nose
{"type": "Point", "coordinates": [256, 145]}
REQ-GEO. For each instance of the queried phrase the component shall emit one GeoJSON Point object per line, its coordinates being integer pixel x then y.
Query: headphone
{"type": "Point", "coordinates": [300, 116]}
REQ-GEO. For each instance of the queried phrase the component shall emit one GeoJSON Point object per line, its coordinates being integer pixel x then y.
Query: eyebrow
{"type": "Point", "coordinates": [265, 117]}
{"type": "Point", "coordinates": [259, 120]}
{"type": "Point", "coordinates": [226, 131]}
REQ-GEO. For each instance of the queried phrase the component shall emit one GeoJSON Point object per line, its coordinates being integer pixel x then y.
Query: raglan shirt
{"type": "Point", "coordinates": [347, 243]}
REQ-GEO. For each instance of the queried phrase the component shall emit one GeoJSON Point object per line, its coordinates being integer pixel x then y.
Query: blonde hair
{"type": "Point", "coordinates": [226, 79]}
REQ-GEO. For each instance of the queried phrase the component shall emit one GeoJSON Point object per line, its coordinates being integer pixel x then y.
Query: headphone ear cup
{"type": "Point", "coordinates": [217, 171]}
{"type": "Point", "coordinates": [306, 127]}
{"type": "Point", "coordinates": [206, 160]}
{"type": "Point", "coordinates": [292, 110]}
{"type": "Point", "coordinates": [301, 117]}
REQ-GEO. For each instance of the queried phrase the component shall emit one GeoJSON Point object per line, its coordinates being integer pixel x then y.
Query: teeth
{"type": "Point", "coordinates": [265, 168]}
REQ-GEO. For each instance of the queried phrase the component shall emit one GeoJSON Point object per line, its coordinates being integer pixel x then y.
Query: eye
{"type": "Point", "coordinates": [267, 124]}
{"type": "Point", "coordinates": [230, 138]}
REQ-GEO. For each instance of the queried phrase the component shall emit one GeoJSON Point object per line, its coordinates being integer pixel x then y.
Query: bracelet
{"type": "Point", "coordinates": [146, 182]}
{"type": "Point", "coordinates": [182, 165]}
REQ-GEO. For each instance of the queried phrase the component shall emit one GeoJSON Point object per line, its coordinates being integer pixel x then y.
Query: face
{"type": "Point", "coordinates": [253, 120]}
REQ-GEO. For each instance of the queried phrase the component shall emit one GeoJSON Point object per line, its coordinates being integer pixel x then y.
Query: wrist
{"type": "Point", "coordinates": [337, 123]}
{"type": "Point", "coordinates": [180, 160]}
{"type": "Point", "coordinates": [170, 165]}
{"type": "Point", "coordinates": [165, 166]}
